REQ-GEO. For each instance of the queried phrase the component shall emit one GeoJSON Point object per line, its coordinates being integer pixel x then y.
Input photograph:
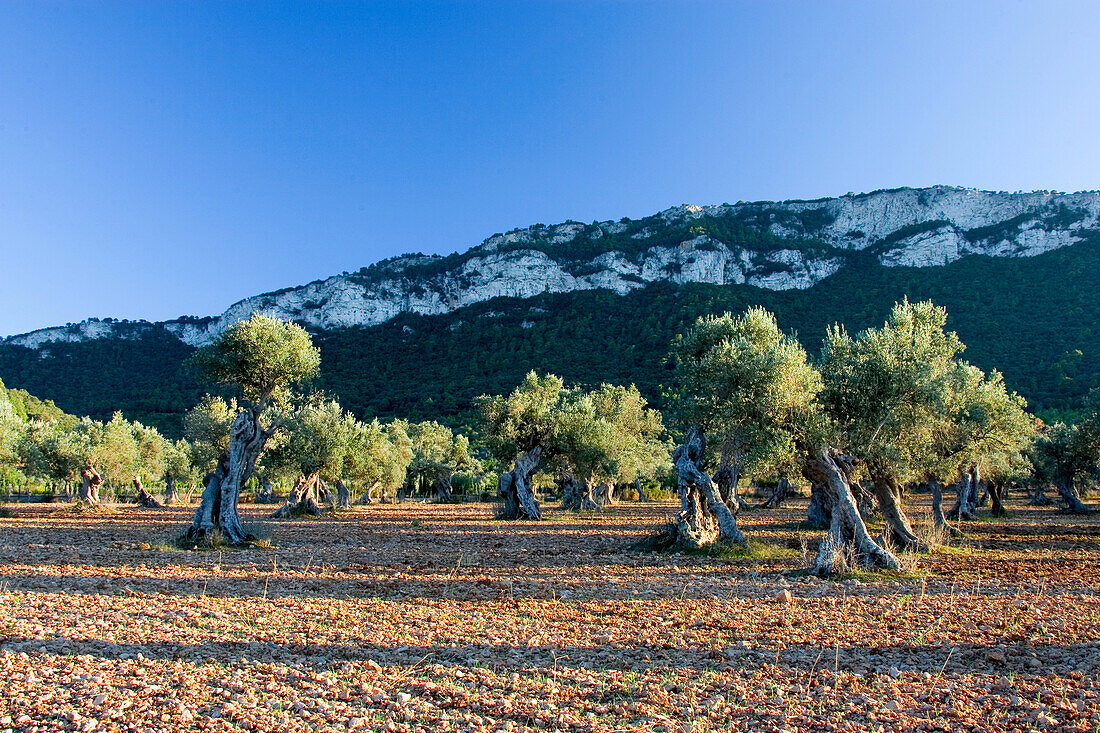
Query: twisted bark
{"type": "Point", "coordinates": [144, 498]}
{"type": "Point", "coordinates": [847, 542]}
{"type": "Point", "coordinates": [366, 497]}
{"type": "Point", "coordinates": [302, 499]}
{"type": "Point", "coordinates": [1067, 490]}
{"type": "Point", "coordinates": [997, 491]}
{"type": "Point", "coordinates": [171, 493]}
{"type": "Point", "coordinates": [778, 494]}
{"type": "Point", "coordinates": [704, 517]}
{"type": "Point", "coordinates": [343, 495]}
{"type": "Point", "coordinates": [247, 438]}
{"type": "Point", "coordinates": [266, 494]}
{"type": "Point", "coordinates": [516, 489]}
{"type": "Point", "coordinates": [640, 489]}
{"type": "Point", "coordinates": [938, 519]}
{"type": "Point", "coordinates": [820, 511]}
{"type": "Point", "coordinates": [90, 481]}
{"type": "Point", "coordinates": [966, 494]}
{"type": "Point", "coordinates": [901, 534]}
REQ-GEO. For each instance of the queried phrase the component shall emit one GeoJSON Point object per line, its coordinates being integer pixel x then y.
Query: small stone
{"type": "Point", "coordinates": [784, 597]}
{"type": "Point", "coordinates": [356, 723]}
{"type": "Point", "coordinates": [997, 657]}
{"type": "Point", "coordinates": [1034, 663]}
{"type": "Point", "coordinates": [893, 706]}
{"type": "Point", "coordinates": [403, 697]}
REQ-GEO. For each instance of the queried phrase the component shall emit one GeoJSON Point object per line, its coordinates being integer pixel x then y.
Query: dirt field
{"type": "Point", "coordinates": [439, 618]}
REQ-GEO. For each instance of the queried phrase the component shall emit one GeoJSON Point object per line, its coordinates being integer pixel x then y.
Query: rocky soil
{"type": "Point", "coordinates": [439, 618]}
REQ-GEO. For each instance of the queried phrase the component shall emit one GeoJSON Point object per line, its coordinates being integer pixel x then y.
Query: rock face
{"type": "Point", "coordinates": [778, 246]}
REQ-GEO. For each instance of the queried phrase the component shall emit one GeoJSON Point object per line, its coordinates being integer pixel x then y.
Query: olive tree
{"type": "Point", "coordinates": [604, 437]}
{"type": "Point", "coordinates": [438, 452]}
{"type": "Point", "coordinates": [747, 388]}
{"type": "Point", "coordinates": [1063, 454]}
{"type": "Point", "coordinates": [885, 389]}
{"type": "Point", "coordinates": [262, 358]}
{"type": "Point", "coordinates": [378, 458]}
{"type": "Point", "coordinates": [318, 438]}
{"type": "Point", "coordinates": [984, 432]}
{"type": "Point", "coordinates": [583, 437]}
{"type": "Point", "coordinates": [518, 428]}
{"type": "Point", "coordinates": [12, 431]}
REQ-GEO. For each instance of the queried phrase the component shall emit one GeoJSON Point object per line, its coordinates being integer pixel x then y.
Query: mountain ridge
{"type": "Point", "coordinates": [777, 246]}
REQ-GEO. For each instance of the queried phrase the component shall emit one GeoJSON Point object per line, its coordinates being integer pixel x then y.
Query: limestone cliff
{"type": "Point", "coordinates": [779, 246]}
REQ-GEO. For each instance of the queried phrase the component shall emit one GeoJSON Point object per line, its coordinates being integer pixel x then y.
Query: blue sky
{"type": "Point", "coordinates": [161, 159]}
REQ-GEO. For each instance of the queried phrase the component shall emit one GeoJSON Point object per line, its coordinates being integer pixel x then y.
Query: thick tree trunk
{"type": "Point", "coordinates": [171, 493]}
{"type": "Point", "coordinates": [820, 511]}
{"type": "Point", "coordinates": [324, 494]}
{"type": "Point", "coordinates": [89, 486]}
{"type": "Point", "coordinates": [728, 476]}
{"type": "Point", "coordinates": [778, 494]}
{"type": "Point", "coordinates": [847, 543]}
{"type": "Point", "coordinates": [938, 519]}
{"type": "Point", "coordinates": [997, 496]}
{"type": "Point", "coordinates": [965, 495]}
{"type": "Point", "coordinates": [144, 498]}
{"type": "Point", "coordinates": [442, 488]}
{"type": "Point", "coordinates": [366, 498]}
{"type": "Point", "coordinates": [704, 518]}
{"type": "Point", "coordinates": [343, 495]}
{"type": "Point", "coordinates": [901, 534]}
{"type": "Point", "coordinates": [516, 489]}
{"type": "Point", "coordinates": [577, 494]}
{"type": "Point", "coordinates": [1067, 490]}
{"type": "Point", "coordinates": [640, 489]}
{"type": "Point", "coordinates": [1037, 496]}
{"type": "Point", "coordinates": [266, 494]}
{"type": "Point", "coordinates": [209, 507]}
{"type": "Point", "coordinates": [604, 495]}
{"type": "Point", "coordinates": [982, 494]}
{"type": "Point", "coordinates": [246, 440]}
{"type": "Point", "coordinates": [302, 499]}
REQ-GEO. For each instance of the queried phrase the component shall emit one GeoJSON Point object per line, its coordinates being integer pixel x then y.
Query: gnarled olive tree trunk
{"type": "Point", "coordinates": [1067, 490]}
{"type": "Point", "coordinates": [778, 494]}
{"type": "Point", "coordinates": [901, 534]}
{"type": "Point", "coordinates": [604, 495]}
{"type": "Point", "coordinates": [728, 475]}
{"type": "Point", "coordinates": [144, 498]}
{"type": "Point", "coordinates": [640, 489]}
{"type": "Point", "coordinates": [343, 495]}
{"type": "Point", "coordinates": [820, 511]}
{"type": "Point", "coordinates": [218, 507]}
{"type": "Point", "coordinates": [847, 542]}
{"type": "Point", "coordinates": [366, 497]}
{"type": "Point", "coordinates": [966, 495]}
{"type": "Point", "coordinates": [89, 485]}
{"type": "Point", "coordinates": [704, 517]}
{"type": "Point", "coordinates": [171, 493]}
{"type": "Point", "coordinates": [442, 487]}
{"type": "Point", "coordinates": [516, 489]}
{"type": "Point", "coordinates": [997, 491]}
{"type": "Point", "coordinates": [938, 519]}
{"type": "Point", "coordinates": [577, 494]}
{"type": "Point", "coordinates": [266, 494]}
{"type": "Point", "coordinates": [303, 499]}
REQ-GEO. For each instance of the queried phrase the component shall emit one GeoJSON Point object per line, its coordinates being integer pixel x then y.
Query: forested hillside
{"type": "Point", "coordinates": [1033, 318]}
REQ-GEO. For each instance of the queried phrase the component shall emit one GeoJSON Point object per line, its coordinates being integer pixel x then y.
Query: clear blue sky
{"type": "Point", "coordinates": [161, 159]}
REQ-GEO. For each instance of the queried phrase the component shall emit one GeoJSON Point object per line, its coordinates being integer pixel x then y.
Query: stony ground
{"type": "Point", "coordinates": [438, 618]}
